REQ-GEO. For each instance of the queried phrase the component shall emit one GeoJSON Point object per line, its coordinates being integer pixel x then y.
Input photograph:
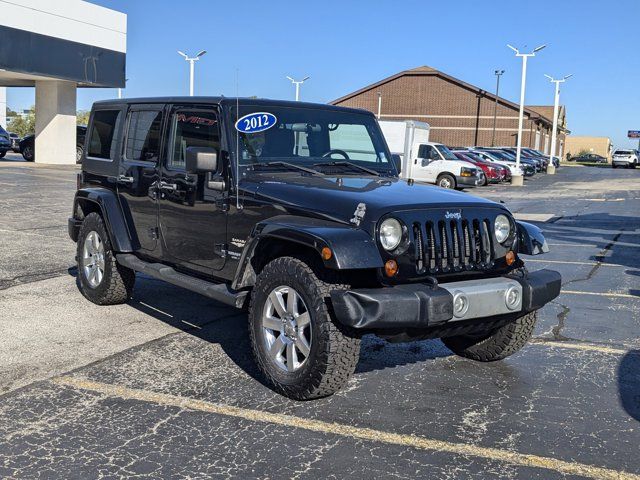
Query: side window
{"type": "Point", "coordinates": [102, 130]}
{"type": "Point", "coordinates": [192, 129]}
{"type": "Point", "coordinates": [143, 135]}
{"type": "Point", "coordinates": [354, 140]}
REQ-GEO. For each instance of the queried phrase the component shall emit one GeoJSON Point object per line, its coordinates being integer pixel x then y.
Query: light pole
{"type": "Point", "coordinates": [556, 106]}
{"type": "Point", "coordinates": [498, 73]}
{"type": "Point", "coordinates": [192, 61]}
{"type": "Point", "coordinates": [120, 89]}
{"type": "Point", "coordinates": [379, 105]}
{"type": "Point", "coordinates": [297, 83]}
{"type": "Point", "coordinates": [517, 179]}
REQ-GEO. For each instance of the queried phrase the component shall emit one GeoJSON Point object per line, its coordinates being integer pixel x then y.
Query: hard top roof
{"type": "Point", "coordinates": [227, 101]}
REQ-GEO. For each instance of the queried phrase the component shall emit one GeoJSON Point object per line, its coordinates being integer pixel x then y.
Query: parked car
{"type": "Point", "coordinates": [425, 161]}
{"type": "Point", "coordinates": [505, 171]}
{"type": "Point", "coordinates": [527, 168]}
{"type": "Point", "coordinates": [5, 142]}
{"type": "Point", "coordinates": [624, 158]}
{"type": "Point", "coordinates": [539, 163]}
{"type": "Point", "coordinates": [27, 145]}
{"type": "Point", "coordinates": [15, 142]}
{"type": "Point", "coordinates": [589, 157]}
{"type": "Point", "coordinates": [539, 154]}
{"type": "Point", "coordinates": [492, 173]}
{"type": "Point", "coordinates": [212, 194]}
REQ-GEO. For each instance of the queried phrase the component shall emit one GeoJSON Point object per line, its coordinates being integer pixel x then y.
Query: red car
{"type": "Point", "coordinates": [492, 173]}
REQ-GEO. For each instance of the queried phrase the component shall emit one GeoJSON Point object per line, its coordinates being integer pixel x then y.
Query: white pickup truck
{"type": "Point", "coordinates": [425, 161]}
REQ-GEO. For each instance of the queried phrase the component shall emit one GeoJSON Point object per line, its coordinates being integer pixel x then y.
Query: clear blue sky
{"type": "Point", "coordinates": [345, 45]}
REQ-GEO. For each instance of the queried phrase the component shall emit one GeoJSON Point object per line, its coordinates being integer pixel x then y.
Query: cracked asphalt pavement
{"type": "Point", "coordinates": [164, 386]}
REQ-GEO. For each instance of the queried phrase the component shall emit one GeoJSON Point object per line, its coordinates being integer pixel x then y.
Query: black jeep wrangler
{"type": "Point", "coordinates": [296, 211]}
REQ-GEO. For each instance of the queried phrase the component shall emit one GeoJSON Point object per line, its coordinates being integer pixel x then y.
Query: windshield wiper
{"type": "Point", "coordinates": [288, 165]}
{"type": "Point", "coordinates": [348, 164]}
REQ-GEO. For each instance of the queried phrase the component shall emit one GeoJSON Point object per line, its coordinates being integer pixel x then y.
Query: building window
{"type": "Point", "coordinates": [102, 130]}
{"type": "Point", "coordinates": [143, 136]}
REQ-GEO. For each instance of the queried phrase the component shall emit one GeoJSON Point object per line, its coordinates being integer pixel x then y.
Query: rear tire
{"type": "Point", "coordinates": [497, 345]}
{"type": "Point", "coordinates": [79, 152]}
{"type": "Point", "coordinates": [446, 181]}
{"type": "Point", "coordinates": [2, 154]}
{"type": "Point", "coordinates": [332, 350]}
{"type": "Point", "coordinates": [102, 279]}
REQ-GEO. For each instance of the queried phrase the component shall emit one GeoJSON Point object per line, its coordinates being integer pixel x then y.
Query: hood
{"type": "Point", "coordinates": [339, 197]}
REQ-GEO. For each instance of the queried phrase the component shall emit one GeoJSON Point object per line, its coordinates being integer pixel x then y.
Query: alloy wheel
{"type": "Point", "coordinates": [93, 259]}
{"type": "Point", "coordinates": [286, 328]}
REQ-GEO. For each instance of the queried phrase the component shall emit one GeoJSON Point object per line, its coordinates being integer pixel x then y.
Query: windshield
{"type": "Point", "coordinates": [313, 138]}
{"type": "Point", "coordinates": [446, 153]}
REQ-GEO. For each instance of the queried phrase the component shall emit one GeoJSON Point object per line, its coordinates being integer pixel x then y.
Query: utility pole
{"type": "Point", "coordinates": [120, 89]}
{"type": "Point", "coordinates": [556, 107]}
{"type": "Point", "coordinates": [297, 83]}
{"type": "Point", "coordinates": [498, 74]}
{"type": "Point", "coordinates": [192, 61]}
{"type": "Point", "coordinates": [518, 179]}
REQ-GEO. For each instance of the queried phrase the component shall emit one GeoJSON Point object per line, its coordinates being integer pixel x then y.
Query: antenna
{"type": "Point", "coordinates": [238, 207]}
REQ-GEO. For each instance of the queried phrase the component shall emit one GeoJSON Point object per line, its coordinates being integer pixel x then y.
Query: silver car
{"type": "Point", "coordinates": [625, 158]}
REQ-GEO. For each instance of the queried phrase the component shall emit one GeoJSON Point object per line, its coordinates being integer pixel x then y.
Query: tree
{"type": "Point", "coordinates": [23, 124]}
{"type": "Point", "coordinates": [82, 117]}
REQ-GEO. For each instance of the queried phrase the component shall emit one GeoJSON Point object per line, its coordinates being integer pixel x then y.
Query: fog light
{"type": "Point", "coordinates": [390, 268]}
{"type": "Point", "coordinates": [512, 297]}
{"type": "Point", "coordinates": [460, 304]}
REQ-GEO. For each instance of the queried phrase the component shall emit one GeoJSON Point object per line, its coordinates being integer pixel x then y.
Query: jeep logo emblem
{"type": "Point", "coordinates": [453, 215]}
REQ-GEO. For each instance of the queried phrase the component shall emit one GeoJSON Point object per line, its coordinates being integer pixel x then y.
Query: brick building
{"type": "Point", "coordinates": [460, 114]}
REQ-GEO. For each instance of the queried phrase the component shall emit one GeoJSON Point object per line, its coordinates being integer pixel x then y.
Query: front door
{"type": "Point", "coordinates": [138, 174]}
{"type": "Point", "coordinates": [193, 218]}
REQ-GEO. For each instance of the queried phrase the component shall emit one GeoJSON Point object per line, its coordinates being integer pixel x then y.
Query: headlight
{"type": "Point", "coordinates": [467, 172]}
{"type": "Point", "coordinates": [390, 234]}
{"type": "Point", "coordinates": [502, 228]}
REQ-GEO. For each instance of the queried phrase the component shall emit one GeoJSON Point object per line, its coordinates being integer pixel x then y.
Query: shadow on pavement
{"type": "Point", "coordinates": [226, 326]}
{"type": "Point", "coordinates": [629, 383]}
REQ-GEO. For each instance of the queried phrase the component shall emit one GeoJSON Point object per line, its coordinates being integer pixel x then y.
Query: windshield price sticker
{"type": "Point", "coordinates": [256, 122]}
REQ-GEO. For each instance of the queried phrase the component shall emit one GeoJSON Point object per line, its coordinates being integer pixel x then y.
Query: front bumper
{"type": "Point", "coordinates": [423, 306]}
{"type": "Point", "coordinates": [469, 181]}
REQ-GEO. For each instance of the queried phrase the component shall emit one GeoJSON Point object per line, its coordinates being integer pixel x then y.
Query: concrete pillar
{"type": "Point", "coordinates": [3, 107]}
{"type": "Point", "coordinates": [55, 122]}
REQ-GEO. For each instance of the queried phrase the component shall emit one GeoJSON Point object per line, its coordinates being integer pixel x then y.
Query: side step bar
{"type": "Point", "coordinates": [217, 291]}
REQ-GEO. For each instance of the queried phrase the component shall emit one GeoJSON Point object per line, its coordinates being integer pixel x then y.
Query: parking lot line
{"type": "Point", "coordinates": [592, 264]}
{"type": "Point", "coordinates": [601, 294]}
{"type": "Point", "coordinates": [589, 347]}
{"type": "Point", "coordinates": [348, 431]}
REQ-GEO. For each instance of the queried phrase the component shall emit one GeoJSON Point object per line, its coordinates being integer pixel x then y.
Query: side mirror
{"type": "Point", "coordinates": [201, 160]}
{"type": "Point", "coordinates": [397, 161]}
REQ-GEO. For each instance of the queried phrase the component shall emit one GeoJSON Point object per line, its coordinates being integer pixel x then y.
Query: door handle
{"type": "Point", "coordinates": [171, 187]}
{"type": "Point", "coordinates": [125, 179]}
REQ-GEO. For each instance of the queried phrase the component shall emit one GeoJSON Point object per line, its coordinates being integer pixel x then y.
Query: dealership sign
{"type": "Point", "coordinates": [634, 134]}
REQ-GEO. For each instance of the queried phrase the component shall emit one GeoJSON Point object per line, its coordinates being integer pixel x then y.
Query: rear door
{"type": "Point", "coordinates": [193, 211]}
{"type": "Point", "coordinates": [138, 174]}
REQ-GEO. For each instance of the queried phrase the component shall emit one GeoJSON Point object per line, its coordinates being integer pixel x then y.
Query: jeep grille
{"type": "Point", "coordinates": [445, 246]}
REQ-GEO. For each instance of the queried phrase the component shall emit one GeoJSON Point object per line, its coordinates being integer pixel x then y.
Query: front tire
{"type": "Point", "coordinates": [2, 154]}
{"type": "Point", "coordinates": [102, 279]}
{"type": "Point", "coordinates": [79, 152]}
{"type": "Point", "coordinates": [302, 352]}
{"type": "Point", "coordinates": [446, 181]}
{"type": "Point", "coordinates": [497, 345]}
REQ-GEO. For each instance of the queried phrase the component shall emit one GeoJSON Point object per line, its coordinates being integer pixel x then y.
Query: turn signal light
{"type": "Point", "coordinates": [510, 258]}
{"type": "Point", "coordinates": [326, 253]}
{"type": "Point", "coordinates": [390, 268]}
